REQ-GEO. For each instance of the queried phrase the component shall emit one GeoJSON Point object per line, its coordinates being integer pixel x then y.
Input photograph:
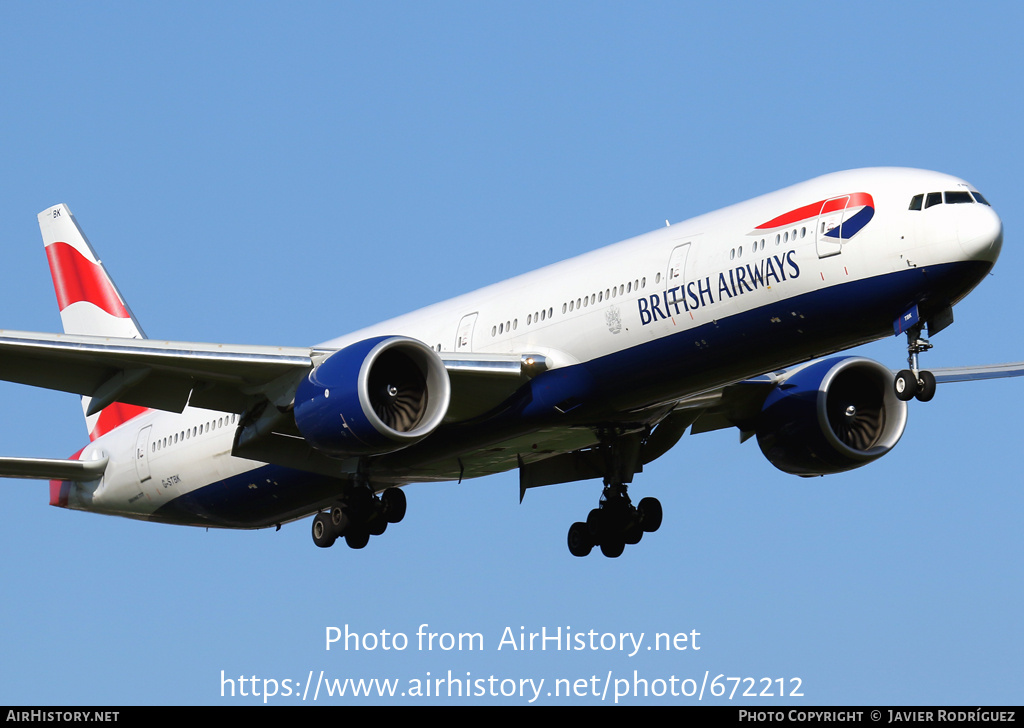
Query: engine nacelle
{"type": "Point", "coordinates": [832, 416]}
{"type": "Point", "coordinates": [373, 397]}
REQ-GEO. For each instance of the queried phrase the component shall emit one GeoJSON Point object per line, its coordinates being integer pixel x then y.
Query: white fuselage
{"type": "Point", "coordinates": [666, 293]}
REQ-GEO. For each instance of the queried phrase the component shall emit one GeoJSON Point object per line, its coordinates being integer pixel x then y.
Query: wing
{"type": "Point", "coordinates": [258, 382]}
{"type": "Point", "coordinates": [985, 371]}
{"type": "Point", "coordinates": [166, 375]}
{"type": "Point", "coordinates": [742, 405]}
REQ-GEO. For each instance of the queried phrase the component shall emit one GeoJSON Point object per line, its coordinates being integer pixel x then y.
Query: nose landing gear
{"type": "Point", "coordinates": [913, 382]}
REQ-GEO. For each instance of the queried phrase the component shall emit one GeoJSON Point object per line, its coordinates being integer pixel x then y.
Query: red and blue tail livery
{"type": "Point", "coordinates": [586, 369]}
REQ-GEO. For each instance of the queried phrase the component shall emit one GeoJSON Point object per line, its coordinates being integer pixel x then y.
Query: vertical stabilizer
{"type": "Point", "coordinates": [88, 299]}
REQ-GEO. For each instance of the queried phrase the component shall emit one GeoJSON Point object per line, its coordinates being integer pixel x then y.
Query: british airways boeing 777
{"type": "Point", "coordinates": [586, 369]}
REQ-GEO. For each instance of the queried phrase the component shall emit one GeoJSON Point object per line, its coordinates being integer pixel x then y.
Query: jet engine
{"type": "Point", "coordinates": [834, 415]}
{"type": "Point", "coordinates": [373, 397]}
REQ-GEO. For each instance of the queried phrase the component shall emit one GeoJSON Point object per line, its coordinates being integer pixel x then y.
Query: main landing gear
{"type": "Point", "coordinates": [616, 521]}
{"type": "Point", "coordinates": [360, 516]}
{"type": "Point", "coordinates": [913, 382]}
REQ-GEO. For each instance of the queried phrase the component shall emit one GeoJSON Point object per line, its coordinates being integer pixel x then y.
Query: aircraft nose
{"type": "Point", "coordinates": [980, 232]}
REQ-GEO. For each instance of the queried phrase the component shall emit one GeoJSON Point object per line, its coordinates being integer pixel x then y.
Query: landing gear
{"type": "Point", "coordinates": [360, 516]}
{"type": "Point", "coordinates": [913, 382]}
{"type": "Point", "coordinates": [616, 522]}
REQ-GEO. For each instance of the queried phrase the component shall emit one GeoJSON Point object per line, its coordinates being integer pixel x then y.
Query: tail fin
{"type": "Point", "coordinates": [89, 301]}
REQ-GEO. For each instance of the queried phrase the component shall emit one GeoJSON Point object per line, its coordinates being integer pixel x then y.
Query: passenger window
{"type": "Point", "coordinates": [915, 203]}
{"type": "Point", "coordinates": [934, 198]}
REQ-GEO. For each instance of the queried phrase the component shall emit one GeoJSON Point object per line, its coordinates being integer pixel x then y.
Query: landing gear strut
{"type": "Point", "coordinates": [913, 382]}
{"type": "Point", "coordinates": [616, 522]}
{"type": "Point", "coordinates": [361, 515]}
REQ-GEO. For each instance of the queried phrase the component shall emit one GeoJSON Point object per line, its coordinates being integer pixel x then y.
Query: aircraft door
{"type": "Point", "coordinates": [464, 336]}
{"type": "Point", "coordinates": [830, 226]}
{"type": "Point", "coordinates": [675, 278]}
{"type": "Point", "coordinates": [142, 454]}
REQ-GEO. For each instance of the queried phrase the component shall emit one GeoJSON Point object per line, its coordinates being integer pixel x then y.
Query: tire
{"type": "Point", "coordinates": [650, 514]}
{"type": "Point", "coordinates": [633, 532]}
{"type": "Point", "coordinates": [613, 548]}
{"type": "Point", "coordinates": [339, 521]}
{"type": "Point", "coordinates": [323, 531]}
{"type": "Point", "coordinates": [393, 500]}
{"type": "Point", "coordinates": [357, 538]}
{"type": "Point", "coordinates": [580, 543]}
{"type": "Point", "coordinates": [597, 525]}
{"type": "Point", "coordinates": [905, 385]}
{"type": "Point", "coordinates": [926, 388]}
{"type": "Point", "coordinates": [378, 524]}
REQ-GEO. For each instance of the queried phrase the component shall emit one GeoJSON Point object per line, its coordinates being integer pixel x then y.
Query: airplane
{"type": "Point", "coordinates": [586, 369]}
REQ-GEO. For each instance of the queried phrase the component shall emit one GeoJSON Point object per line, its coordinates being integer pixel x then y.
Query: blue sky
{"type": "Point", "coordinates": [283, 173]}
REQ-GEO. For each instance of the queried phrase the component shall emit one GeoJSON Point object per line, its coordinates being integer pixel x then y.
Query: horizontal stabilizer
{"type": "Point", "coordinates": [49, 469]}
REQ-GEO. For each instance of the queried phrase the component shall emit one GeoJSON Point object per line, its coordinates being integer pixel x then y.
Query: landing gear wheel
{"type": "Point", "coordinates": [632, 533]}
{"type": "Point", "coordinates": [377, 526]}
{"type": "Point", "coordinates": [649, 510]}
{"type": "Point", "coordinates": [393, 500]}
{"type": "Point", "coordinates": [905, 385]}
{"type": "Point", "coordinates": [596, 525]}
{"type": "Point", "coordinates": [339, 520]}
{"type": "Point", "coordinates": [323, 532]}
{"type": "Point", "coordinates": [580, 542]}
{"type": "Point", "coordinates": [926, 387]}
{"type": "Point", "coordinates": [357, 538]}
{"type": "Point", "coordinates": [613, 547]}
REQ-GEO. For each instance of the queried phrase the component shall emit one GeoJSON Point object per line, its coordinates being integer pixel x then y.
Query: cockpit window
{"type": "Point", "coordinates": [952, 197]}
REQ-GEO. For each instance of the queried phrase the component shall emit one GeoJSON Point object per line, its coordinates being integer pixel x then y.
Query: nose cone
{"type": "Point", "coordinates": [980, 232]}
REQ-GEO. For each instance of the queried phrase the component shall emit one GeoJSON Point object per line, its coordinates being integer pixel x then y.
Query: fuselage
{"type": "Point", "coordinates": [627, 330]}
